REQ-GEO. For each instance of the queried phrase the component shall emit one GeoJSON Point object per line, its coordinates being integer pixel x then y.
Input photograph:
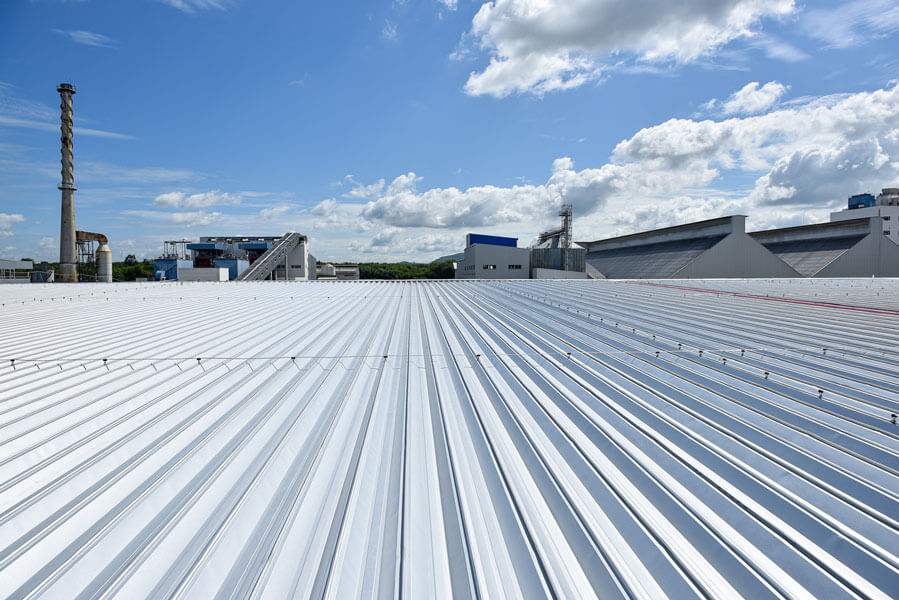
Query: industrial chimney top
{"type": "Point", "coordinates": [66, 87]}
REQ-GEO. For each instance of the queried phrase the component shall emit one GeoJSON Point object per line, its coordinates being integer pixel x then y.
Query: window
{"type": "Point", "coordinates": [513, 267]}
{"type": "Point", "coordinates": [490, 267]}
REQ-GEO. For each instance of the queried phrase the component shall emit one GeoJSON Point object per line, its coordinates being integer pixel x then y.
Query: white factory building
{"type": "Point", "coordinates": [885, 206]}
{"type": "Point", "coordinates": [493, 257]}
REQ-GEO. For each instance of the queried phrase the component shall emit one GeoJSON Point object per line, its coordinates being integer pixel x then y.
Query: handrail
{"type": "Point", "coordinates": [265, 264]}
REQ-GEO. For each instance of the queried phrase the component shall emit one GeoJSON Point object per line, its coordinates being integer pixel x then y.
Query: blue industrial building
{"type": "Point", "coordinates": [861, 201]}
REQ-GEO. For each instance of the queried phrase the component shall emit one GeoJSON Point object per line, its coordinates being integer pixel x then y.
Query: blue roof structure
{"type": "Point", "coordinates": [491, 240]}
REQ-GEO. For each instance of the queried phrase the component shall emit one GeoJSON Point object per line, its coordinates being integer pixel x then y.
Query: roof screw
{"type": "Point", "coordinates": [657, 353]}
{"type": "Point", "coordinates": [742, 352]}
{"type": "Point", "coordinates": [820, 394]}
{"type": "Point", "coordinates": [825, 350]}
{"type": "Point", "coordinates": [105, 365]}
{"type": "Point", "coordinates": [569, 354]}
{"type": "Point", "coordinates": [766, 374]}
{"type": "Point", "coordinates": [679, 345]}
{"type": "Point", "coordinates": [700, 353]}
{"type": "Point", "coordinates": [893, 419]}
{"type": "Point", "coordinates": [724, 362]}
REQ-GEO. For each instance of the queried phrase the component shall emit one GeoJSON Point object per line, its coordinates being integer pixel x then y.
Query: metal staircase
{"type": "Point", "coordinates": [264, 265]}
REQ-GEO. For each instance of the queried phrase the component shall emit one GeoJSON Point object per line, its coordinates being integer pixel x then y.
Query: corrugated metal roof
{"type": "Point", "coordinates": [435, 439]}
{"type": "Point", "coordinates": [651, 261]}
{"type": "Point", "coordinates": [809, 256]}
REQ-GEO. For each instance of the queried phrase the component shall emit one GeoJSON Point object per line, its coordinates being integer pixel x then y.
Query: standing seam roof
{"type": "Point", "coordinates": [507, 439]}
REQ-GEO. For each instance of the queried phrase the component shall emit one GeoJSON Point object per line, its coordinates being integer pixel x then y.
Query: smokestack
{"type": "Point", "coordinates": [68, 267]}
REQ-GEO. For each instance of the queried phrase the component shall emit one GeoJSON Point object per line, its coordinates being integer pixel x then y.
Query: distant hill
{"type": "Point", "coordinates": [456, 257]}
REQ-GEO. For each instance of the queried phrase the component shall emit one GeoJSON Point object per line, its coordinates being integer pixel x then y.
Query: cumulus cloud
{"type": "Point", "coordinates": [47, 243]}
{"type": "Point", "coordinates": [537, 46]}
{"type": "Point", "coordinates": [752, 99]}
{"type": "Point", "coordinates": [805, 157]}
{"type": "Point", "coordinates": [7, 221]}
{"type": "Point", "coordinates": [183, 201]}
{"type": "Point", "coordinates": [358, 190]}
{"type": "Point", "coordinates": [275, 212]}
{"type": "Point", "coordinates": [325, 207]}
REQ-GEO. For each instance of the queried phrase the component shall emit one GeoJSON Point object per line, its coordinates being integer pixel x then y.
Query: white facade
{"type": "Point", "coordinates": [887, 208]}
{"type": "Point", "coordinates": [485, 261]}
{"type": "Point", "coordinates": [889, 214]}
{"type": "Point", "coordinates": [203, 274]}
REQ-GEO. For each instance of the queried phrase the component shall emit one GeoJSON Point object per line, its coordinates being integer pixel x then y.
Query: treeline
{"type": "Point", "coordinates": [127, 270]}
{"type": "Point", "coordinates": [436, 270]}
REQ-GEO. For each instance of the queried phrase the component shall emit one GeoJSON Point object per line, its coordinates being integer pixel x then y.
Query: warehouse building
{"type": "Point", "coordinates": [434, 439]}
{"type": "Point", "coordinates": [707, 249]}
{"type": "Point", "coordinates": [721, 248]}
{"type": "Point", "coordinates": [853, 248]}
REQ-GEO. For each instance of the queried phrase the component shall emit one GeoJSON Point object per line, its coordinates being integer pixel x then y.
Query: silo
{"type": "Point", "coordinates": [104, 263]}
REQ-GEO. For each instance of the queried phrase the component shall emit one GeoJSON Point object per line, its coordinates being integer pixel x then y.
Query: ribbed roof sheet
{"type": "Point", "coordinates": [506, 439]}
{"type": "Point", "coordinates": [649, 261]}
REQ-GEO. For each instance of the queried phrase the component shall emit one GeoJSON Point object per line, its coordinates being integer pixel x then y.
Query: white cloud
{"type": "Point", "coordinates": [192, 6]}
{"type": "Point", "coordinates": [87, 38]}
{"type": "Point", "coordinates": [275, 212]}
{"type": "Point", "coordinates": [360, 191]}
{"type": "Point", "coordinates": [7, 221]}
{"type": "Point", "coordinates": [539, 46]}
{"type": "Point", "coordinates": [47, 243]}
{"type": "Point", "coordinates": [325, 207]}
{"type": "Point", "coordinates": [188, 219]}
{"type": "Point", "coordinates": [183, 201]}
{"type": "Point", "coordinates": [388, 32]}
{"type": "Point", "coordinates": [852, 23]}
{"type": "Point", "coordinates": [29, 124]}
{"type": "Point", "coordinates": [752, 99]}
{"type": "Point", "coordinates": [449, 4]}
{"type": "Point", "coordinates": [805, 156]}
{"type": "Point", "coordinates": [105, 172]}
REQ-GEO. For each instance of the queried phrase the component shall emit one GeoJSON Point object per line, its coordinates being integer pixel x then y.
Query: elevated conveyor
{"type": "Point", "coordinates": [263, 266]}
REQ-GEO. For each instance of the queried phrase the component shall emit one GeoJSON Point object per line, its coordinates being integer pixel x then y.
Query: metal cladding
{"type": "Point", "coordinates": [104, 263]}
{"type": "Point", "coordinates": [454, 439]}
{"type": "Point", "coordinates": [68, 268]}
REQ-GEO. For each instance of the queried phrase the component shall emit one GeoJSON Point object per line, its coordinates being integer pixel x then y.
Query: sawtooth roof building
{"type": "Point", "coordinates": [450, 439]}
{"type": "Point", "coordinates": [721, 248]}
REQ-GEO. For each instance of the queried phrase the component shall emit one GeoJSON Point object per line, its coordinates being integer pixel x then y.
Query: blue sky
{"type": "Point", "coordinates": [387, 130]}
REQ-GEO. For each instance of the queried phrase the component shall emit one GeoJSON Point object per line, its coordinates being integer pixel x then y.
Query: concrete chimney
{"type": "Point", "coordinates": [68, 266]}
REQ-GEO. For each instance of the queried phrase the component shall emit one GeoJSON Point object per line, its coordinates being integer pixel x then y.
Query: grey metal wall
{"type": "Point", "coordinates": [479, 255]}
{"type": "Point", "coordinates": [737, 255]}
{"type": "Point", "coordinates": [569, 259]}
